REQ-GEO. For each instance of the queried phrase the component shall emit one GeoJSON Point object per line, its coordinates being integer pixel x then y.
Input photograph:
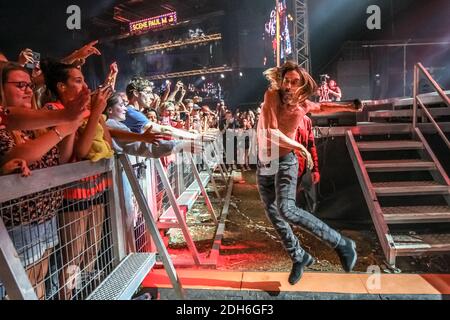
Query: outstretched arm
{"type": "Point", "coordinates": [34, 150]}
{"type": "Point", "coordinates": [170, 131]}
{"type": "Point", "coordinates": [127, 136]}
{"type": "Point", "coordinates": [82, 54]}
{"type": "Point", "coordinates": [330, 107]}
{"type": "Point", "coordinates": [28, 119]}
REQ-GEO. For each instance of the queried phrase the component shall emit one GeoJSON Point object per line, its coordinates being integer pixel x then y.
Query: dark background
{"type": "Point", "coordinates": [337, 31]}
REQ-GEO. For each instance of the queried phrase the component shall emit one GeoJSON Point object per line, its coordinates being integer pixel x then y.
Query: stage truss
{"type": "Point", "coordinates": [301, 34]}
{"type": "Point", "coordinates": [177, 44]}
{"type": "Point", "coordinates": [190, 73]}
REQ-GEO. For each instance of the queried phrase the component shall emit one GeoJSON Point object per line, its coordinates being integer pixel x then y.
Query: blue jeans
{"type": "Point", "coordinates": [278, 193]}
{"type": "Point", "coordinates": [33, 240]}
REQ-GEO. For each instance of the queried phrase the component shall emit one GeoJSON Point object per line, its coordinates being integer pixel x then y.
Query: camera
{"type": "Point", "coordinates": [324, 78]}
{"type": "Point", "coordinates": [37, 60]}
{"type": "Point", "coordinates": [183, 116]}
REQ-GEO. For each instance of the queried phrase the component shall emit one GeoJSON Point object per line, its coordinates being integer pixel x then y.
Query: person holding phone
{"type": "Point", "coordinates": [82, 220]}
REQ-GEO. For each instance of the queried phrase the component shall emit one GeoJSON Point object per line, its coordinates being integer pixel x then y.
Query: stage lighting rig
{"type": "Point", "coordinates": [191, 73]}
{"type": "Point", "coordinates": [177, 44]}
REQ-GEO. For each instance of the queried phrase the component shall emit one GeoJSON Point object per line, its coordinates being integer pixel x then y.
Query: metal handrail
{"type": "Point", "coordinates": [417, 101]}
{"type": "Point", "coordinates": [15, 186]}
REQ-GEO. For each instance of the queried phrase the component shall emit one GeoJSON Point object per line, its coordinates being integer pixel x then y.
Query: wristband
{"type": "Point", "coordinates": [58, 134]}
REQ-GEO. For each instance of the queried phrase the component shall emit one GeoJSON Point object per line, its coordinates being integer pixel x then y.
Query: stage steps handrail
{"type": "Point", "coordinates": [420, 69]}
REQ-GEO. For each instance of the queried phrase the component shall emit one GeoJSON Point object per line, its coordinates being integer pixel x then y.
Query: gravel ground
{"type": "Point", "coordinates": [251, 244]}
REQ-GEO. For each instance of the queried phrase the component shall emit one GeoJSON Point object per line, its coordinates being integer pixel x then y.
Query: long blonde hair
{"type": "Point", "coordinates": [276, 75]}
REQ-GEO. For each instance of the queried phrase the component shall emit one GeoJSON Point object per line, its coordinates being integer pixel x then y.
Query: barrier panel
{"type": "Point", "coordinates": [83, 230]}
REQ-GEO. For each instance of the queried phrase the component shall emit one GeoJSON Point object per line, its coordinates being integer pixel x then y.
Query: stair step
{"type": "Point", "coordinates": [399, 165]}
{"type": "Point", "coordinates": [125, 280]}
{"type": "Point", "coordinates": [416, 244]}
{"type": "Point", "coordinates": [408, 113]}
{"type": "Point", "coordinates": [409, 188]}
{"type": "Point", "coordinates": [390, 145]}
{"type": "Point", "coordinates": [416, 214]}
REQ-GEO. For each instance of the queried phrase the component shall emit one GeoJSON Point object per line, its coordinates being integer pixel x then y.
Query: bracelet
{"type": "Point", "coordinates": [58, 134]}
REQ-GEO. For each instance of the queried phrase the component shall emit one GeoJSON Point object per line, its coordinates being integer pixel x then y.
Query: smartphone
{"type": "Point", "coordinates": [183, 116]}
{"type": "Point", "coordinates": [37, 60]}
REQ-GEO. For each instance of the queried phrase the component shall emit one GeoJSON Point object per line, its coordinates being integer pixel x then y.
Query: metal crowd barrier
{"type": "Point", "coordinates": [177, 182]}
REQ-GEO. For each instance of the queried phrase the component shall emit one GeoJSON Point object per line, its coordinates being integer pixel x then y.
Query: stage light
{"type": "Point", "coordinates": [222, 76]}
{"type": "Point", "coordinates": [241, 74]}
{"type": "Point", "coordinates": [203, 78]}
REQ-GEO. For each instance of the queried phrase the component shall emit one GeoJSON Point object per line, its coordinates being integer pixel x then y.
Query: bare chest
{"type": "Point", "coordinates": [289, 118]}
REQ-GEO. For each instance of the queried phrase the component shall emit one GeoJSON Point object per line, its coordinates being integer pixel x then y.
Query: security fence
{"type": "Point", "coordinates": [66, 230]}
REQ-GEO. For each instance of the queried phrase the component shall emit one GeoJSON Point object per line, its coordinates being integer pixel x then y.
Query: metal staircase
{"type": "Point", "coordinates": [405, 186]}
{"type": "Point", "coordinates": [389, 200]}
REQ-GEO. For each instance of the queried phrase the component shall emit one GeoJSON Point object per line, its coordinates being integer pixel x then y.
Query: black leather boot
{"type": "Point", "coordinates": [298, 268]}
{"type": "Point", "coordinates": [347, 254]}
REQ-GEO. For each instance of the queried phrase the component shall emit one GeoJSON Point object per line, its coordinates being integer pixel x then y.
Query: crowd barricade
{"type": "Point", "coordinates": [177, 183]}
{"type": "Point", "coordinates": [93, 230]}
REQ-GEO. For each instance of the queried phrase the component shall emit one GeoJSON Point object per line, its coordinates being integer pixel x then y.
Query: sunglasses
{"type": "Point", "coordinates": [22, 85]}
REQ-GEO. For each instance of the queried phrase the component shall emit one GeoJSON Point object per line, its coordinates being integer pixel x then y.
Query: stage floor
{"type": "Point", "coordinates": [220, 285]}
{"type": "Point", "coordinates": [250, 243]}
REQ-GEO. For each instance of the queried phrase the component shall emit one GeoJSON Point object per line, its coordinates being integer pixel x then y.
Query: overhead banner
{"type": "Point", "coordinates": [153, 23]}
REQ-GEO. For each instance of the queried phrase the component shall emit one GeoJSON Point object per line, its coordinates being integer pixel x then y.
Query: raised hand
{"type": "Point", "coordinates": [26, 56]}
{"type": "Point", "coordinates": [179, 85]}
{"type": "Point", "coordinates": [14, 165]}
{"type": "Point", "coordinates": [100, 98]}
{"type": "Point", "coordinates": [83, 53]}
{"type": "Point", "coordinates": [112, 76]}
{"type": "Point", "coordinates": [114, 68]}
{"type": "Point", "coordinates": [88, 50]}
{"type": "Point", "coordinates": [75, 109]}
